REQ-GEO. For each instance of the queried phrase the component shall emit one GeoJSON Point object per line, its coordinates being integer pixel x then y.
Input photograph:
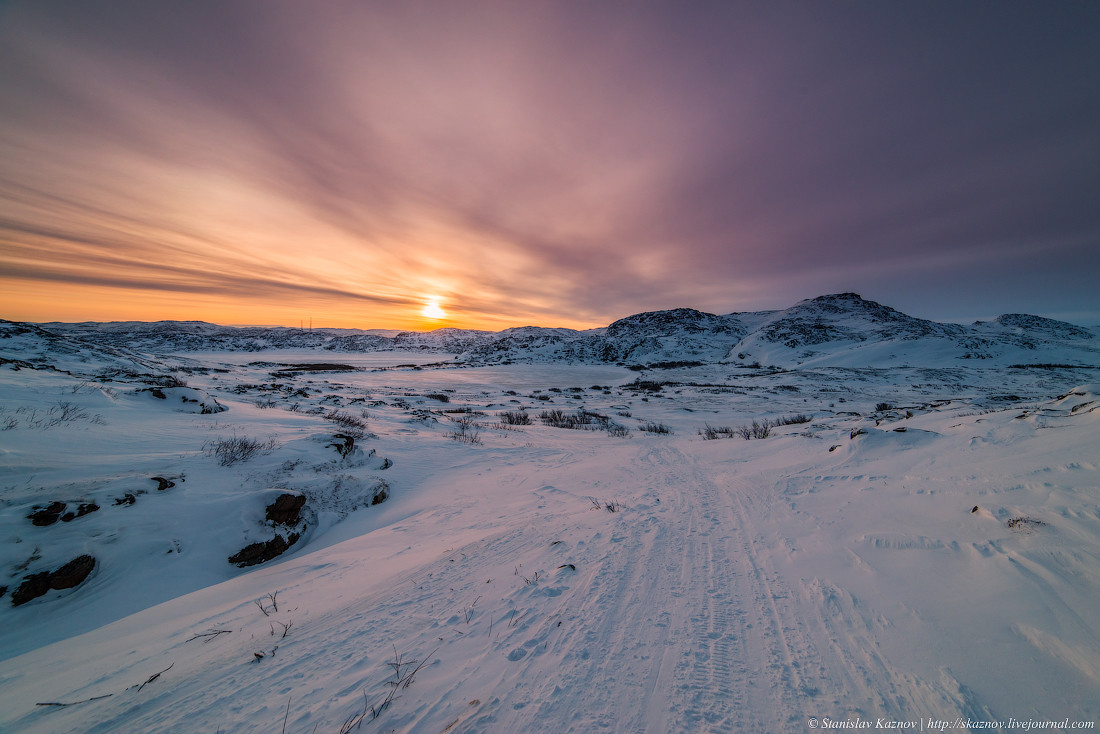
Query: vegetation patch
{"type": "Point", "coordinates": [1023, 522]}
{"type": "Point", "coordinates": [515, 418]}
{"type": "Point", "coordinates": [466, 431]}
{"type": "Point", "coordinates": [710, 433]}
{"type": "Point", "coordinates": [230, 451]}
{"type": "Point", "coordinates": [348, 421]}
{"type": "Point", "coordinates": [758, 429]}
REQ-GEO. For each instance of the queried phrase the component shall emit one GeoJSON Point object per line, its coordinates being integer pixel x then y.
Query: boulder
{"type": "Point", "coordinates": [81, 511]}
{"type": "Point", "coordinates": [381, 495]}
{"type": "Point", "coordinates": [286, 509]}
{"type": "Point", "coordinates": [48, 515]}
{"type": "Point", "coordinates": [72, 573]}
{"type": "Point", "coordinates": [68, 576]}
{"type": "Point", "coordinates": [33, 586]}
{"type": "Point", "coordinates": [257, 553]}
{"type": "Point", "coordinates": [346, 445]}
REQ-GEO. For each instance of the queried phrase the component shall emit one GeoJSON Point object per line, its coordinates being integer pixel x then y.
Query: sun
{"type": "Point", "coordinates": [432, 310]}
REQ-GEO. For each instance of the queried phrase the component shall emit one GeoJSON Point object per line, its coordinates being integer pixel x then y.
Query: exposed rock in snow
{"type": "Point", "coordinates": [286, 508]}
{"type": "Point", "coordinates": [68, 576]}
{"type": "Point", "coordinates": [263, 551]}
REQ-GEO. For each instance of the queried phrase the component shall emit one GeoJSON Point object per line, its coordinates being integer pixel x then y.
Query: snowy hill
{"type": "Point", "coordinates": [162, 337]}
{"type": "Point", "coordinates": [846, 330]}
{"type": "Point", "coordinates": [34, 347]}
{"type": "Point", "coordinates": [1040, 328]}
{"type": "Point", "coordinates": [844, 318]}
{"type": "Point", "coordinates": [835, 330]}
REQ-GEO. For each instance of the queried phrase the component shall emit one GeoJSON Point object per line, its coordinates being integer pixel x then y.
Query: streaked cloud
{"type": "Point", "coordinates": [554, 163]}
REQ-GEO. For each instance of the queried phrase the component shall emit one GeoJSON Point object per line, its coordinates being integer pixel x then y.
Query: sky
{"type": "Point", "coordinates": [554, 163]}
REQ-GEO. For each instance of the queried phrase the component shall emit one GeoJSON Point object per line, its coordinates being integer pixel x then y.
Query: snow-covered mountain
{"type": "Point", "coordinates": [834, 330]}
{"type": "Point", "coordinates": [846, 330]}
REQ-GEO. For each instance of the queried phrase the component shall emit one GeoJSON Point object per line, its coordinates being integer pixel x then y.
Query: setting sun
{"type": "Point", "coordinates": [433, 311]}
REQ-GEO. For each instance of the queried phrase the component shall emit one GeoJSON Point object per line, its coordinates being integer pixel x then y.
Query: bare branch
{"type": "Point", "coordinates": [75, 703]}
{"type": "Point", "coordinates": [154, 676]}
{"type": "Point", "coordinates": [208, 636]}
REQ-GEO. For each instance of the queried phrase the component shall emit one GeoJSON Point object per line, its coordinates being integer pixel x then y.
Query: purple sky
{"type": "Point", "coordinates": [552, 163]}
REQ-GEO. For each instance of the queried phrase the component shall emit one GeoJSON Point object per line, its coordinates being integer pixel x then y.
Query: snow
{"type": "Point", "coordinates": [936, 557]}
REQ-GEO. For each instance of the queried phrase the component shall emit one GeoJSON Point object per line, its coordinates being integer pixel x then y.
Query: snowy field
{"type": "Point", "coordinates": [905, 544]}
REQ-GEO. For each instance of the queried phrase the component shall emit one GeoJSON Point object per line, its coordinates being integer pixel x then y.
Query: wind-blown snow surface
{"type": "Point", "coordinates": [926, 545]}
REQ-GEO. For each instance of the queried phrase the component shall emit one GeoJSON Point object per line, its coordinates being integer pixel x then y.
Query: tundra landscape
{"type": "Point", "coordinates": [680, 522]}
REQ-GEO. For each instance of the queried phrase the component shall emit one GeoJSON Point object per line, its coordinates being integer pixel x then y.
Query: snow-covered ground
{"type": "Point", "coordinates": [926, 545]}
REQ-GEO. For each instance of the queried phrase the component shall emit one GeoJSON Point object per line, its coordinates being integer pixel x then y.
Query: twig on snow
{"type": "Point", "coordinates": [209, 635]}
{"type": "Point", "coordinates": [74, 703]}
{"type": "Point", "coordinates": [154, 676]}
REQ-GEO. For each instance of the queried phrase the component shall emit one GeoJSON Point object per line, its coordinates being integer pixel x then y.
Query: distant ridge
{"type": "Point", "coordinates": [837, 330]}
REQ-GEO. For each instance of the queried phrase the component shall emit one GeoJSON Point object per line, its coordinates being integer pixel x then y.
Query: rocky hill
{"type": "Point", "coordinates": [834, 330]}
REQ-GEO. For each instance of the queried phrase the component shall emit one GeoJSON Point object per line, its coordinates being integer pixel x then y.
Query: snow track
{"type": "Point", "coordinates": [670, 625]}
{"type": "Point", "coordinates": [743, 671]}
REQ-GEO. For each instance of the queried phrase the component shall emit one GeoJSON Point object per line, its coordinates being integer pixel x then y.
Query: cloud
{"type": "Point", "coordinates": [551, 163]}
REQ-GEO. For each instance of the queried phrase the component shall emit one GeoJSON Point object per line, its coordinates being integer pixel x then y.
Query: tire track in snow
{"type": "Point", "coordinates": [728, 679]}
{"type": "Point", "coordinates": [850, 675]}
{"type": "Point", "coordinates": [753, 661]}
{"type": "Point", "coordinates": [600, 659]}
{"type": "Point", "coordinates": [647, 638]}
{"type": "Point", "coordinates": [673, 626]}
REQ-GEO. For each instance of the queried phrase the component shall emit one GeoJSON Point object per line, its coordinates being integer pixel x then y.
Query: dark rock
{"type": "Point", "coordinates": [81, 511]}
{"type": "Point", "coordinates": [286, 509]}
{"type": "Point", "coordinates": [257, 553]}
{"type": "Point", "coordinates": [33, 586]}
{"type": "Point", "coordinates": [346, 445]}
{"type": "Point", "coordinates": [72, 573]}
{"type": "Point", "coordinates": [43, 516]}
{"type": "Point", "coordinates": [126, 499]}
{"type": "Point", "coordinates": [3, 590]}
{"type": "Point", "coordinates": [381, 495]}
{"type": "Point", "coordinates": [162, 483]}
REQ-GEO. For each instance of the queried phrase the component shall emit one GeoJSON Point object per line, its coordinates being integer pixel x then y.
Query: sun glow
{"type": "Point", "coordinates": [432, 310]}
